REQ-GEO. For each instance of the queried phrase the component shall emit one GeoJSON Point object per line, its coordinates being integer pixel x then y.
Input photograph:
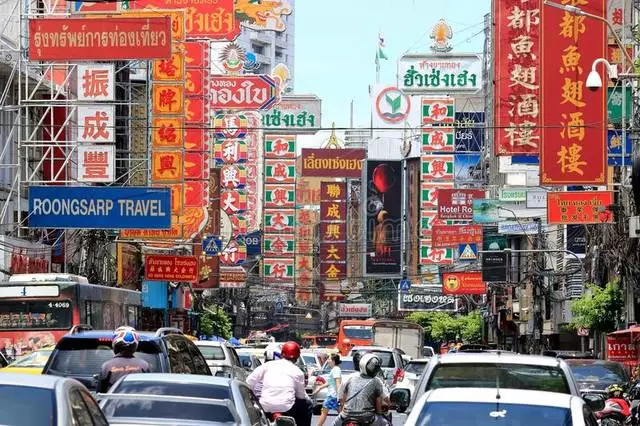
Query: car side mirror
{"type": "Point", "coordinates": [594, 401]}
{"type": "Point", "coordinates": [400, 399]}
{"type": "Point", "coordinates": [285, 421]}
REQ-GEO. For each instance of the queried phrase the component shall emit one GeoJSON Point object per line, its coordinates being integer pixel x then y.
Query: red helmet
{"type": "Point", "coordinates": [290, 351]}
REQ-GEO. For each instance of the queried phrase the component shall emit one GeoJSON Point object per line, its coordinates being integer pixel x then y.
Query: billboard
{"type": "Point", "coordinates": [573, 144]}
{"type": "Point", "coordinates": [442, 73]}
{"type": "Point", "coordinates": [99, 207]}
{"type": "Point", "coordinates": [243, 92]}
{"type": "Point", "coordinates": [454, 235]}
{"type": "Point", "coordinates": [579, 207]}
{"type": "Point", "coordinates": [463, 283]}
{"type": "Point", "coordinates": [469, 131]}
{"type": "Point", "coordinates": [383, 217]}
{"type": "Point", "coordinates": [333, 211]}
{"type": "Point", "coordinates": [421, 299]}
{"type": "Point", "coordinates": [171, 268]}
{"type": "Point", "coordinates": [339, 163]}
{"type": "Point", "coordinates": [110, 39]}
{"type": "Point", "coordinates": [517, 48]}
{"type": "Point", "coordinates": [296, 114]}
{"type": "Point", "coordinates": [363, 310]}
{"type": "Point", "coordinates": [457, 204]}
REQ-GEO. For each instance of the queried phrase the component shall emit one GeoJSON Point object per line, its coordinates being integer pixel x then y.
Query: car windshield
{"type": "Point", "coordinates": [84, 357]}
{"type": "Point", "coordinates": [165, 409]}
{"type": "Point", "coordinates": [325, 341]}
{"type": "Point", "coordinates": [491, 414]}
{"type": "Point", "coordinates": [310, 359]}
{"type": "Point", "coordinates": [199, 390]}
{"type": "Point", "coordinates": [415, 367]}
{"type": "Point", "coordinates": [18, 402]}
{"type": "Point", "coordinates": [212, 353]}
{"type": "Point", "coordinates": [33, 360]}
{"type": "Point", "coordinates": [244, 358]}
{"type": "Point", "coordinates": [363, 332]}
{"type": "Point", "coordinates": [511, 376]}
{"type": "Point", "coordinates": [346, 365]}
{"type": "Point", "coordinates": [607, 373]}
{"type": "Point", "coordinates": [385, 356]}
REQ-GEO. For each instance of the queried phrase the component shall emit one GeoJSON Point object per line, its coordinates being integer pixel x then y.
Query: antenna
{"type": "Point", "coordinates": [497, 393]}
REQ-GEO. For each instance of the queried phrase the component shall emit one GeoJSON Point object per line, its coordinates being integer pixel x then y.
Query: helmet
{"type": "Point", "coordinates": [271, 355]}
{"type": "Point", "coordinates": [356, 360]}
{"type": "Point", "coordinates": [290, 351]}
{"type": "Point", "coordinates": [125, 339]}
{"type": "Point", "coordinates": [370, 365]}
{"type": "Point", "coordinates": [615, 388]}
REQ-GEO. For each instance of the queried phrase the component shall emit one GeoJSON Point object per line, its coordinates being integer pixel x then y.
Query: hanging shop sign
{"type": "Point", "coordinates": [279, 245]}
{"type": "Point", "coordinates": [96, 123]}
{"type": "Point", "coordinates": [96, 82]}
{"type": "Point", "coordinates": [110, 39]}
{"type": "Point", "coordinates": [277, 270]}
{"type": "Point", "coordinates": [167, 98]}
{"type": "Point", "coordinates": [452, 236]}
{"type": "Point", "coordinates": [457, 204]}
{"type": "Point", "coordinates": [333, 271]}
{"type": "Point", "coordinates": [429, 193]}
{"type": "Point", "coordinates": [536, 199]}
{"type": "Point", "coordinates": [279, 221]}
{"type": "Point", "coordinates": [441, 73]}
{"type": "Point", "coordinates": [463, 283]}
{"type": "Point", "coordinates": [171, 268]}
{"type": "Point", "coordinates": [512, 195]}
{"type": "Point", "coordinates": [435, 256]}
{"type": "Point", "coordinates": [438, 111]}
{"type": "Point", "coordinates": [339, 163]}
{"type": "Point", "coordinates": [169, 69]}
{"type": "Point", "coordinates": [230, 151]}
{"type": "Point", "coordinates": [362, 310]}
{"type": "Point", "coordinates": [469, 131]}
{"type": "Point", "coordinates": [243, 92]}
{"type": "Point", "coordinates": [167, 132]}
{"type": "Point", "coordinates": [429, 219]}
{"type": "Point", "coordinates": [435, 139]}
{"type": "Point", "coordinates": [616, 96]}
{"type": "Point", "coordinates": [278, 196]}
{"type": "Point", "coordinates": [421, 299]}
{"type": "Point", "coordinates": [579, 207]}
{"type": "Point", "coordinates": [230, 125]}
{"type": "Point", "coordinates": [233, 176]}
{"type": "Point", "coordinates": [96, 163]}
{"type": "Point", "coordinates": [279, 146]}
{"type": "Point", "coordinates": [296, 114]}
{"type": "Point", "coordinates": [437, 167]}
{"type": "Point", "coordinates": [232, 277]}
{"type": "Point", "coordinates": [280, 170]}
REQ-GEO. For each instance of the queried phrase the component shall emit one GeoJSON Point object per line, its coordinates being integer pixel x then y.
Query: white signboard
{"type": "Point", "coordinates": [294, 114]}
{"type": "Point", "coordinates": [519, 228]}
{"type": "Point", "coordinates": [446, 74]}
{"type": "Point", "coordinates": [96, 163]}
{"type": "Point", "coordinates": [536, 199]}
{"type": "Point", "coordinates": [96, 123]}
{"type": "Point", "coordinates": [29, 291]}
{"type": "Point", "coordinates": [354, 310]}
{"type": "Point", "coordinates": [96, 82]}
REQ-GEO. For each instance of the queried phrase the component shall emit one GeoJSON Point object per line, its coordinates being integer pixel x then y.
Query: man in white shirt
{"type": "Point", "coordinates": [281, 386]}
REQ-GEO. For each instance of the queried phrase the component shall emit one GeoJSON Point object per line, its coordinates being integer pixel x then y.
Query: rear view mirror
{"type": "Point", "coordinates": [594, 401]}
{"type": "Point", "coordinates": [285, 421]}
{"type": "Point", "coordinates": [400, 399]}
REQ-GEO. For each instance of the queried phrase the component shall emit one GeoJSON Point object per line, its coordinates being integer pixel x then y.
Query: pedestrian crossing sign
{"type": "Point", "coordinates": [468, 252]}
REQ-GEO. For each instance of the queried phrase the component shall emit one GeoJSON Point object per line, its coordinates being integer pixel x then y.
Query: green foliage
{"type": "Point", "coordinates": [599, 309]}
{"type": "Point", "coordinates": [442, 326]}
{"type": "Point", "coordinates": [216, 322]}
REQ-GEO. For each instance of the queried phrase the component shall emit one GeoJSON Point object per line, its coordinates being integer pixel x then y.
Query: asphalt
{"type": "Point", "coordinates": [398, 420]}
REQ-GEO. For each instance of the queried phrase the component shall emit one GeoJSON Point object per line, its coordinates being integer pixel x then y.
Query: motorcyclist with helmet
{"type": "Point", "coordinates": [616, 396]}
{"type": "Point", "coordinates": [280, 384]}
{"type": "Point", "coordinates": [362, 396]}
{"type": "Point", "coordinates": [124, 362]}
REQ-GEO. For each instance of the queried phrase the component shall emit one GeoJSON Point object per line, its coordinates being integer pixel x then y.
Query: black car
{"type": "Point", "coordinates": [595, 375]}
{"type": "Point", "coordinates": [80, 355]}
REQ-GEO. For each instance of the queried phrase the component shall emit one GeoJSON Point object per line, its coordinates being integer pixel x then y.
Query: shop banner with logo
{"type": "Point", "coordinates": [579, 207]}
{"type": "Point", "coordinates": [463, 283]}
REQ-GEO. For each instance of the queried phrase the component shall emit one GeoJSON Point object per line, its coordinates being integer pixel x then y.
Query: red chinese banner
{"type": "Point", "coordinates": [517, 75]}
{"type": "Point", "coordinates": [333, 211]}
{"type": "Point", "coordinates": [333, 235]}
{"type": "Point", "coordinates": [463, 283]}
{"type": "Point", "coordinates": [454, 235]}
{"type": "Point", "coordinates": [171, 268]}
{"type": "Point", "coordinates": [579, 207]}
{"type": "Point", "coordinates": [573, 148]}
{"type": "Point", "coordinates": [333, 191]}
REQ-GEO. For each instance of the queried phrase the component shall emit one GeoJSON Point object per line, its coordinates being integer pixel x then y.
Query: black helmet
{"type": "Point", "coordinates": [356, 360]}
{"type": "Point", "coordinates": [370, 365]}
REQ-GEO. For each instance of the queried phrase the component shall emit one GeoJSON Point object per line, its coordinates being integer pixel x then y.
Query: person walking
{"type": "Point", "coordinates": [333, 384]}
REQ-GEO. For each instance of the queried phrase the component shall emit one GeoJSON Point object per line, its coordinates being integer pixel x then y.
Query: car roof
{"type": "Point", "coordinates": [108, 334]}
{"type": "Point", "coordinates": [419, 360]}
{"type": "Point", "coordinates": [209, 343]}
{"type": "Point", "coordinates": [177, 378]}
{"type": "Point", "coordinates": [30, 380]}
{"type": "Point", "coordinates": [497, 357]}
{"type": "Point", "coordinates": [507, 396]}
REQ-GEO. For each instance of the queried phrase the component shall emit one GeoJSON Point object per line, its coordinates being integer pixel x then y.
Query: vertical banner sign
{"type": "Point", "coordinates": [333, 245]}
{"type": "Point", "coordinates": [573, 148]}
{"type": "Point", "coordinates": [306, 220]}
{"type": "Point", "coordinates": [517, 67]}
{"type": "Point", "coordinates": [383, 217]}
{"type": "Point", "coordinates": [210, 265]}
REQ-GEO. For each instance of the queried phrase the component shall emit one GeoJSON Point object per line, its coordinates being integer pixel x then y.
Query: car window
{"type": "Point", "coordinates": [167, 409]}
{"type": "Point", "coordinates": [94, 409]}
{"type": "Point", "coordinates": [415, 367]}
{"type": "Point", "coordinates": [386, 357]}
{"type": "Point", "coordinates": [234, 357]}
{"type": "Point", "coordinates": [310, 359]}
{"type": "Point", "coordinates": [18, 402]}
{"type": "Point", "coordinates": [199, 362]}
{"type": "Point", "coordinates": [606, 374]}
{"type": "Point", "coordinates": [253, 410]}
{"type": "Point", "coordinates": [79, 411]}
{"type": "Point", "coordinates": [212, 353]}
{"type": "Point", "coordinates": [180, 359]}
{"type": "Point", "coordinates": [199, 390]}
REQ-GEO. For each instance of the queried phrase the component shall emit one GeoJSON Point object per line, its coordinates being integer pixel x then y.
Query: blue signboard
{"type": "Point", "coordinates": [618, 161]}
{"type": "Point", "coordinates": [154, 294]}
{"type": "Point", "coordinates": [525, 159]}
{"type": "Point", "coordinates": [253, 241]}
{"type": "Point", "coordinates": [405, 285]}
{"type": "Point", "coordinates": [614, 143]}
{"type": "Point", "coordinates": [468, 252]}
{"type": "Point", "coordinates": [212, 246]}
{"type": "Point", "coordinates": [99, 207]}
{"type": "Point", "coordinates": [469, 131]}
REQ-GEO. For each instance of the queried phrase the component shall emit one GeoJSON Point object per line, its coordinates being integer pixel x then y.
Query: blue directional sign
{"type": "Point", "coordinates": [405, 285]}
{"type": "Point", "coordinates": [99, 207]}
{"type": "Point", "coordinates": [253, 241]}
{"type": "Point", "coordinates": [212, 246]}
{"type": "Point", "coordinates": [468, 252]}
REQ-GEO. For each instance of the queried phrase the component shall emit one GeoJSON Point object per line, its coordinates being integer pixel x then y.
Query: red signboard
{"type": "Point", "coordinates": [452, 236]}
{"type": "Point", "coordinates": [103, 39]}
{"type": "Point", "coordinates": [333, 211]}
{"type": "Point", "coordinates": [579, 207]}
{"type": "Point", "coordinates": [517, 76]}
{"type": "Point", "coordinates": [330, 231]}
{"type": "Point", "coordinates": [342, 163]}
{"type": "Point", "coordinates": [573, 144]}
{"type": "Point", "coordinates": [333, 191]}
{"type": "Point", "coordinates": [171, 268]}
{"type": "Point", "coordinates": [333, 252]}
{"type": "Point", "coordinates": [457, 204]}
{"type": "Point", "coordinates": [331, 271]}
{"type": "Point", "coordinates": [243, 92]}
{"type": "Point", "coordinates": [620, 348]}
{"type": "Point", "coordinates": [463, 283]}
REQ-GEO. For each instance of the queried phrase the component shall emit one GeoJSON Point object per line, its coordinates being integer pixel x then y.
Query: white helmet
{"type": "Point", "coordinates": [370, 365]}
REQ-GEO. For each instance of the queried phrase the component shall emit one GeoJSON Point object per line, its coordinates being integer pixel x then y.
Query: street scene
{"type": "Point", "coordinates": [293, 212]}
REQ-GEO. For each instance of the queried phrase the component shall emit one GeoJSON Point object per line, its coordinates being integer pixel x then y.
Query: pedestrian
{"type": "Point", "coordinates": [333, 384]}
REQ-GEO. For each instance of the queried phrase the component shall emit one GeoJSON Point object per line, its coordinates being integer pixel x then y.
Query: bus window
{"type": "Point", "coordinates": [34, 315]}
{"type": "Point", "coordinates": [326, 341]}
{"type": "Point", "coordinates": [359, 332]}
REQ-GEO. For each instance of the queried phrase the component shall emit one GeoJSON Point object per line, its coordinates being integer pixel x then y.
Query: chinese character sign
{"type": "Point", "coordinates": [96, 123]}
{"type": "Point", "coordinates": [333, 220]}
{"type": "Point", "coordinates": [517, 67]}
{"type": "Point", "coordinates": [306, 220]}
{"type": "Point", "coordinates": [573, 149]}
{"type": "Point", "coordinates": [96, 82]}
{"type": "Point", "coordinates": [96, 163]}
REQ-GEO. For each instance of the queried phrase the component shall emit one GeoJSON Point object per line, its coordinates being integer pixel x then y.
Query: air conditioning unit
{"type": "Point", "coordinates": [634, 227]}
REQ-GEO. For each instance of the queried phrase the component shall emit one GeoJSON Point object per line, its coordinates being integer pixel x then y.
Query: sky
{"type": "Point", "coordinates": [336, 41]}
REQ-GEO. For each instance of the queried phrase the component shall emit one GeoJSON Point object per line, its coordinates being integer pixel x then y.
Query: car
{"type": "Point", "coordinates": [595, 375]}
{"type": "Point", "coordinates": [311, 361]}
{"type": "Point", "coordinates": [491, 406]}
{"type": "Point", "coordinates": [320, 377]}
{"type": "Point", "coordinates": [249, 360]}
{"type": "Point", "coordinates": [30, 364]}
{"type": "Point", "coordinates": [29, 399]}
{"type": "Point", "coordinates": [222, 359]}
{"type": "Point", "coordinates": [411, 374]}
{"type": "Point", "coordinates": [491, 369]}
{"type": "Point", "coordinates": [165, 398]}
{"type": "Point", "coordinates": [80, 355]}
{"type": "Point", "coordinates": [392, 361]}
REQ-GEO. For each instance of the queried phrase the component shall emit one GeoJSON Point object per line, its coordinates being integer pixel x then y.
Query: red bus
{"type": "Point", "coordinates": [324, 341]}
{"type": "Point", "coordinates": [37, 309]}
{"type": "Point", "coordinates": [354, 333]}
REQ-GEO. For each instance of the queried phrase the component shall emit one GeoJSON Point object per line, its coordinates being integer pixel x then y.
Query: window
{"type": "Point", "coordinates": [415, 367]}
{"type": "Point", "coordinates": [235, 360]}
{"type": "Point", "coordinates": [166, 409]}
{"type": "Point", "coordinates": [199, 363]}
{"type": "Point", "coordinates": [18, 402]}
{"type": "Point", "coordinates": [602, 374]}
{"type": "Point", "coordinates": [47, 314]}
{"type": "Point", "coordinates": [94, 409]}
{"type": "Point", "coordinates": [198, 390]}
{"type": "Point", "coordinates": [358, 331]}
{"type": "Point", "coordinates": [253, 407]}
{"type": "Point", "coordinates": [386, 357]}
{"type": "Point", "coordinates": [212, 353]}
{"type": "Point", "coordinates": [257, 48]}
{"type": "Point", "coordinates": [180, 359]}
{"type": "Point", "coordinates": [79, 411]}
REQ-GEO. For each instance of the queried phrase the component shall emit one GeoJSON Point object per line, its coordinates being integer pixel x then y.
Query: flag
{"type": "Point", "coordinates": [380, 50]}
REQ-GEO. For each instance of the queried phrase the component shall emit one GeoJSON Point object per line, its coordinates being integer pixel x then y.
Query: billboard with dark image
{"type": "Point", "coordinates": [383, 217]}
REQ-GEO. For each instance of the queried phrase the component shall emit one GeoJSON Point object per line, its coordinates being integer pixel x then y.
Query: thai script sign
{"type": "Point", "coordinates": [469, 128]}
{"type": "Point", "coordinates": [621, 348]}
{"type": "Point", "coordinates": [573, 151]}
{"type": "Point", "coordinates": [459, 73]}
{"type": "Point", "coordinates": [243, 92]}
{"type": "Point", "coordinates": [99, 207]}
{"type": "Point", "coordinates": [463, 283]}
{"type": "Point", "coordinates": [451, 236]}
{"type": "Point", "coordinates": [171, 268]}
{"type": "Point", "coordinates": [294, 115]}
{"type": "Point", "coordinates": [343, 163]}
{"type": "Point", "coordinates": [417, 299]}
{"type": "Point", "coordinates": [579, 207]}
{"type": "Point", "coordinates": [457, 204]}
{"type": "Point", "coordinates": [113, 38]}
{"type": "Point", "coordinates": [354, 310]}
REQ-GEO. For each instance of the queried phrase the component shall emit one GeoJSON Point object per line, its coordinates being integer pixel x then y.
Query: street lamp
{"type": "Point", "coordinates": [593, 79]}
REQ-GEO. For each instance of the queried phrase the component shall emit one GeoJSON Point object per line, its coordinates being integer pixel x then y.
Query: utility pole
{"type": "Point", "coordinates": [538, 297]}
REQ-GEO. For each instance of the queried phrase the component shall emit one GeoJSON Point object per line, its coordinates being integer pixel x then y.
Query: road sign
{"type": "Point", "coordinates": [584, 332]}
{"type": "Point", "coordinates": [467, 252]}
{"type": "Point", "coordinates": [405, 285]}
{"type": "Point", "coordinates": [211, 246]}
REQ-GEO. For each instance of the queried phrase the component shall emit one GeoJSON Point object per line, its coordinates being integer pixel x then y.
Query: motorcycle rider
{"type": "Point", "coordinates": [616, 396]}
{"type": "Point", "coordinates": [362, 396]}
{"type": "Point", "coordinates": [125, 344]}
{"type": "Point", "coordinates": [281, 385]}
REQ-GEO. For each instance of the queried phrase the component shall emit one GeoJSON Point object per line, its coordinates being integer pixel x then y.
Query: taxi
{"type": "Point", "coordinates": [32, 363]}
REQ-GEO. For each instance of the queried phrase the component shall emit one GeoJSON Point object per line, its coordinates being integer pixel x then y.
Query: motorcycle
{"type": "Point", "coordinates": [613, 414]}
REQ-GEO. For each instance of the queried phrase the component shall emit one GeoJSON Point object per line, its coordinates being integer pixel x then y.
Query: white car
{"type": "Point", "coordinates": [411, 374]}
{"type": "Point", "coordinates": [491, 407]}
{"type": "Point", "coordinates": [222, 359]}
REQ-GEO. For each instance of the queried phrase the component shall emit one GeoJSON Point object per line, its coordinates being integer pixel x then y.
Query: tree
{"type": "Point", "coordinates": [442, 326]}
{"type": "Point", "coordinates": [599, 309]}
{"type": "Point", "coordinates": [216, 322]}
{"type": "Point", "coordinates": [472, 327]}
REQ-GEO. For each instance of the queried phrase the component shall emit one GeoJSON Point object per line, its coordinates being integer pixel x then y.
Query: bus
{"type": "Point", "coordinates": [322, 341]}
{"type": "Point", "coordinates": [354, 333]}
{"type": "Point", "coordinates": [36, 310]}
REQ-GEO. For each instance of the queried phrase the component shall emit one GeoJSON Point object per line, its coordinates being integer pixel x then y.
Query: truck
{"type": "Point", "coordinates": [406, 336]}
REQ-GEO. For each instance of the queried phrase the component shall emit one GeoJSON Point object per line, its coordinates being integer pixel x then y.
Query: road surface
{"type": "Point", "coordinates": [398, 420]}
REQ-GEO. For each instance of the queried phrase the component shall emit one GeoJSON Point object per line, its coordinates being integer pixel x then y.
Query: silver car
{"type": "Point", "coordinates": [46, 400]}
{"type": "Point", "coordinates": [222, 359]}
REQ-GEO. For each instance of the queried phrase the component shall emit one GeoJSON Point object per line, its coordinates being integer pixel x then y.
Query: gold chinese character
{"type": "Point", "coordinates": [332, 272]}
{"type": "Point", "coordinates": [571, 60]}
{"type": "Point", "coordinates": [522, 45]}
{"type": "Point", "coordinates": [572, 92]}
{"type": "Point", "coordinates": [524, 76]}
{"type": "Point", "coordinates": [574, 128]}
{"type": "Point", "coordinates": [572, 26]}
{"type": "Point", "coordinates": [569, 159]}
{"type": "Point", "coordinates": [520, 19]}
{"type": "Point", "coordinates": [333, 191]}
{"type": "Point", "coordinates": [528, 105]}
{"type": "Point", "coordinates": [575, 2]}
{"type": "Point", "coordinates": [522, 134]}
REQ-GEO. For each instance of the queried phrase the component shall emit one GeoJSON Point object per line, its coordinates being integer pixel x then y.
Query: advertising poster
{"type": "Point", "coordinates": [383, 217]}
{"type": "Point", "coordinates": [486, 211]}
{"type": "Point", "coordinates": [577, 239]}
{"type": "Point", "coordinates": [468, 168]}
{"type": "Point", "coordinates": [494, 265]}
{"type": "Point", "coordinates": [463, 283]}
{"type": "Point", "coordinates": [469, 131]}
